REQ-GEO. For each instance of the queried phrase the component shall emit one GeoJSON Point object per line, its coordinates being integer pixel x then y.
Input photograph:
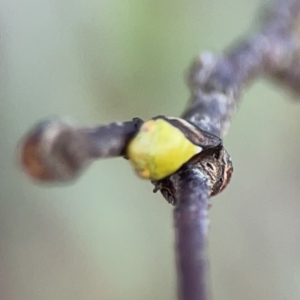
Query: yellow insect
{"type": "Point", "coordinates": [164, 144]}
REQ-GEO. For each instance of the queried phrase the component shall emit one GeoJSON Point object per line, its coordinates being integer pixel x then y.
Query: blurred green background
{"type": "Point", "coordinates": [107, 236]}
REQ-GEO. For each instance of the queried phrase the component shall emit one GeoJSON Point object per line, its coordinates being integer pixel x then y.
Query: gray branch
{"type": "Point", "coordinates": [55, 151]}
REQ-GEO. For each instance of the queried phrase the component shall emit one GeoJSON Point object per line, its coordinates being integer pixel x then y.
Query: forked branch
{"type": "Point", "coordinates": [55, 151]}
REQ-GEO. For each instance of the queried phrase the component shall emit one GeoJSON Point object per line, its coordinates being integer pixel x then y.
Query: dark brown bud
{"type": "Point", "coordinates": [54, 151]}
{"type": "Point", "coordinates": [215, 165]}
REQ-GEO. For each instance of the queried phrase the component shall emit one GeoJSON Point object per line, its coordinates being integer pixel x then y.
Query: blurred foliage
{"type": "Point", "coordinates": [107, 236]}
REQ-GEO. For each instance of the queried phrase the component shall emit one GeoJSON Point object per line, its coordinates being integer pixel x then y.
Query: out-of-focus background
{"type": "Point", "coordinates": [107, 236]}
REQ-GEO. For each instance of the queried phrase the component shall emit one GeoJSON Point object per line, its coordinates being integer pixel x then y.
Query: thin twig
{"type": "Point", "coordinates": [56, 151]}
{"type": "Point", "coordinates": [191, 225]}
